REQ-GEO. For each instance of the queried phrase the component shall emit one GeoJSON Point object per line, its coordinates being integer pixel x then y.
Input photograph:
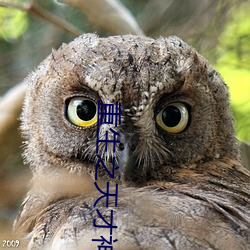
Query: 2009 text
{"type": "Point", "coordinates": [11, 243]}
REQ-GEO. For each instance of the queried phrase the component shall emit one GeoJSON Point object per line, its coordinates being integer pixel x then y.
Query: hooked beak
{"type": "Point", "coordinates": [127, 157]}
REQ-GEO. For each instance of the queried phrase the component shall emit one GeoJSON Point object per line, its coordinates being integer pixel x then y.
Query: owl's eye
{"type": "Point", "coordinates": [173, 118]}
{"type": "Point", "coordinates": [81, 111]}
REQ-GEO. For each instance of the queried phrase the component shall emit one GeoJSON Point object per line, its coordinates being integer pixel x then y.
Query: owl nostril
{"type": "Point", "coordinates": [133, 148]}
{"type": "Point", "coordinates": [121, 146]}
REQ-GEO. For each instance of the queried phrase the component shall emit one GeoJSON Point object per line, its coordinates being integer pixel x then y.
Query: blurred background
{"type": "Point", "coordinates": [219, 30]}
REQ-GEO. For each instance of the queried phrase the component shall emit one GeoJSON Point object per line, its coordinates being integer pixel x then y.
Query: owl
{"type": "Point", "coordinates": [165, 175]}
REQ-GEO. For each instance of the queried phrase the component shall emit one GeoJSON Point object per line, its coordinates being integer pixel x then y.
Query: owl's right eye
{"type": "Point", "coordinates": [173, 118]}
{"type": "Point", "coordinates": [81, 111]}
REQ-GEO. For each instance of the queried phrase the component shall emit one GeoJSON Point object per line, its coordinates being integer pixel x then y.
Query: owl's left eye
{"type": "Point", "coordinates": [81, 111]}
{"type": "Point", "coordinates": [173, 118]}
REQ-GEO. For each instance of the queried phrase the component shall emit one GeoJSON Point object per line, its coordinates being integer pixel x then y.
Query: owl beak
{"type": "Point", "coordinates": [127, 157]}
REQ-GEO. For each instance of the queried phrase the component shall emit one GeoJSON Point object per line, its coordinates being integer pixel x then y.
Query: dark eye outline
{"type": "Point", "coordinates": [71, 112]}
{"type": "Point", "coordinates": [184, 121]}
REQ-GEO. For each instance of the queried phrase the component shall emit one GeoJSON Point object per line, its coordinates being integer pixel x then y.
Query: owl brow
{"type": "Point", "coordinates": [78, 88]}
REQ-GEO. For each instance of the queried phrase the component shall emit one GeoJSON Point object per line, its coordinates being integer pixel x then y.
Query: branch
{"type": "Point", "coordinates": [111, 15]}
{"type": "Point", "coordinates": [10, 108]}
{"type": "Point", "coordinates": [36, 10]}
{"type": "Point", "coordinates": [14, 5]}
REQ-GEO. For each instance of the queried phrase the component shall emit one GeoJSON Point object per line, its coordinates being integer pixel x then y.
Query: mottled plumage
{"type": "Point", "coordinates": [181, 183]}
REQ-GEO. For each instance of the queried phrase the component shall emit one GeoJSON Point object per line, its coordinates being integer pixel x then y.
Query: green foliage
{"type": "Point", "coordinates": [13, 23]}
{"type": "Point", "coordinates": [234, 65]}
{"type": "Point", "coordinates": [236, 35]}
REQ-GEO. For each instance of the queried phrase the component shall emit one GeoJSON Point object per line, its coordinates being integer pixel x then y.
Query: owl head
{"type": "Point", "coordinates": [174, 109]}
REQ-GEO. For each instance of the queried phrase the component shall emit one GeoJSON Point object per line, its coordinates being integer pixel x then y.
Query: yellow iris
{"type": "Point", "coordinates": [82, 111]}
{"type": "Point", "coordinates": [173, 118]}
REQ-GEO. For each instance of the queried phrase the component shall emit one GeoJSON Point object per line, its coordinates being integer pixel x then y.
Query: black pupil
{"type": "Point", "coordinates": [86, 110]}
{"type": "Point", "coordinates": [171, 116]}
